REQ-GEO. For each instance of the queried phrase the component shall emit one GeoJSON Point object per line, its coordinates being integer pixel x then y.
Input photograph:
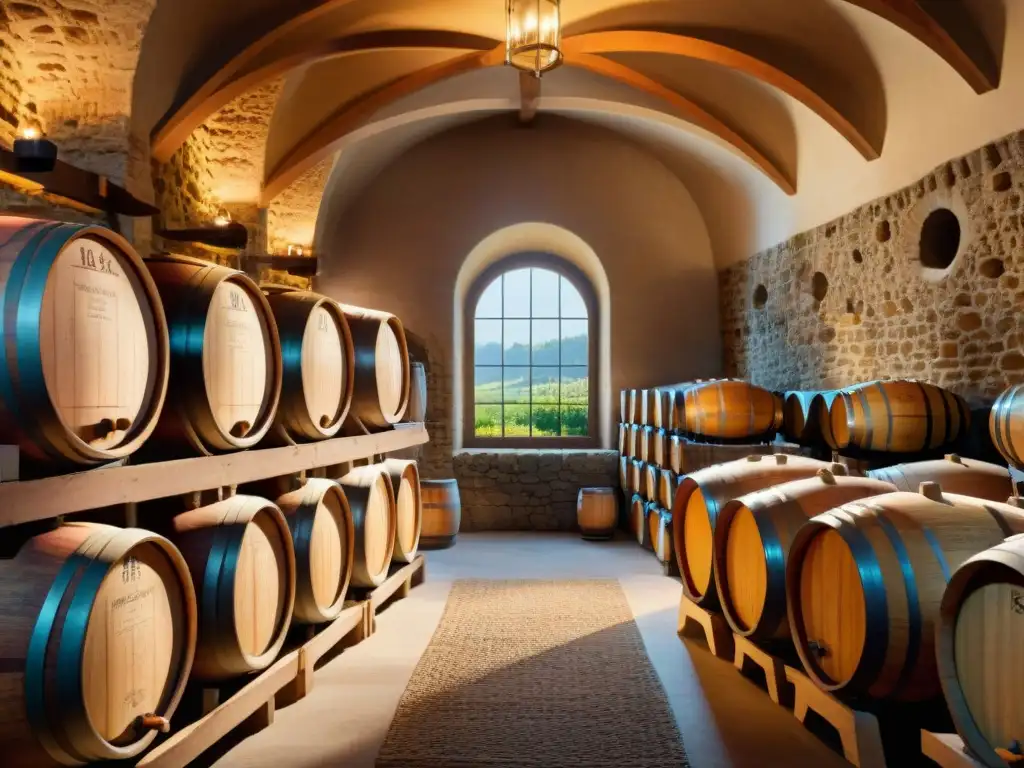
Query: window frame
{"type": "Point", "coordinates": [581, 283]}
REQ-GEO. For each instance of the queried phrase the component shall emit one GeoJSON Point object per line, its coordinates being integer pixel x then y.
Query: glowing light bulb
{"type": "Point", "coordinates": [222, 219]}
{"type": "Point", "coordinates": [29, 132]}
{"type": "Point", "coordinates": [531, 23]}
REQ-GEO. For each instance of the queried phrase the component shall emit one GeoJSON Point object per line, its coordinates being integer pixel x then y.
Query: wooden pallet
{"type": "Point", "coordinates": [947, 749]}
{"type": "Point", "coordinates": [397, 585]}
{"type": "Point", "coordinates": [711, 626]}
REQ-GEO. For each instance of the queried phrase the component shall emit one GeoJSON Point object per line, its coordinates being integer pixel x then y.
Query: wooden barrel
{"type": "Point", "coordinates": [596, 513]}
{"type": "Point", "coordinates": [634, 440]}
{"type": "Point", "coordinates": [84, 369]}
{"type": "Point", "coordinates": [634, 407]}
{"type": "Point", "coordinates": [676, 444]}
{"type": "Point", "coordinates": [865, 580]}
{"type": "Point", "coordinates": [646, 453]}
{"type": "Point", "coordinates": [660, 448]}
{"type": "Point", "coordinates": [636, 476]}
{"type": "Point", "coordinates": [978, 648]}
{"type": "Point", "coordinates": [968, 477]}
{"type": "Point", "coordinates": [381, 367]}
{"type": "Point", "coordinates": [323, 538]}
{"type": "Point", "coordinates": [647, 407]}
{"type": "Point", "coordinates": [780, 412]}
{"type": "Point", "coordinates": [662, 400]}
{"type": "Point", "coordinates": [668, 481]}
{"type": "Point", "coordinates": [897, 417]}
{"type": "Point", "coordinates": [317, 366]}
{"type": "Point", "coordinates": [98, 636]}
{"type": "Point", "coordinates": [624, 406]}
{"type": "Point", "coordinates": [654, 513]}
{"type": "Point", "coordinates": [637, 519]}
{"type": "Point", "coordinates": [405, 479]}
{"type": "Point", "coordinates": [1006, 425]}
{"type": "Point", "coordinates": [663, 536]}
{"type": "Point", "coordinates": [752, 541]}
{"type": "Point", "coordinates": [442, 513]}
{"type": "Point", "coordinates": [623, 439]}
{"type": "Point", "coordinates": [818, 429]}
{"type": "Point", "coordinates": [729, 410]}
{"type": "Point", "coordinates": [371, 497]}
{"type": "Point", "coordinates": [650, 481]}
{"type": "Point", "coordinates": [699, 500]}
{"type": "Point", "coordinates": [417, 410]}
{"type": "Point", "coordinates": [242, 560]}
{"type": "Point", "coordinates": [624, 470]}
{"type": "Point", "coordinates": [225, 381]}
{"type": "Point", "coordinates": [796, 415]}
{"type": "Point", "coordinates": [650, 526]}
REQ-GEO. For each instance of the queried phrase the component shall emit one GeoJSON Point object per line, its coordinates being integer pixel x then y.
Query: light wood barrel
{"type": "Point", "coordinates": [98, 631]}
{"type": "Point", "coordinates": [624, 414]}
{"type": "Point", "coordinates": [865, 580]}
{"type": "Point", "coordinates": [634, 440]}
{"type": "Point", "coordinates": [405, 479]}
{"type": "Point", "coordinates": [954, 473]}
{"type": "Point", "coordinates": [225, 381]}
{"type": "Point", "coordinates": [1006, 425]}
{"type": "Point", "coordinates": [371, 497]}
{"type": "Point", "coordinates": [85, 362]}
{"type": "Point", "coordinates": [596, 513]}
{"type": "Point", "coordinates": [818, 429]}
{"type": "Point", "coordinates": [650, 525]}
{"type": "Point", "coordinates": [646, 452]}
{"type": "Point", "coordinates": [699, 500]}
{"type": "Point", "coordinates": [636, 476]}
{"type": "Point", "coordinates": [662, 401]}
{"type": "Point", "coordinates": [729, 410]}
{"type": "Point", "coordinates": [660, 451]}
{"type": "Point", "coordinates": [636, 518]}
{"type": "Point", "coordinates": [623, 439]}
{"type": "Point", "coordinates": [979, 645]}
{"type": "Point", "coordinates": [634, 407]}
{"type": "Point", "coordinates": [752, 541]}
{"type": "Point", "coordinates": [676, 445]}
{"type": "Point", "coordinates": [646, 407]}
{"type": "Point", "coordinates": [625, 465]}
{"type": "Point", "coordinates": [323, 538]}
{"type": "Point", "coordinates": [382, 381]}
{"type": "Point", "coordinates": [317, 366]}
{"type": "Point", "coordinates": [649, 482]}
{"type": "Point", "coordinates": [897, 417]}
{"type": "Point", "coordinates": [242, 560]}
{"type": "Point", "coordinates": [668, 481]}
{"type": "Point", "coordinates": [663, 536]}
{"type": "Point", "coordinates": [442, 513]}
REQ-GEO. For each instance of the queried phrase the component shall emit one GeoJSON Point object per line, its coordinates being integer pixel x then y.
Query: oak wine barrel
{"type": "Point", "coordinates": [624, 415]}
{"type": "Point", "coordinates": [636, 476]}
{"type": "Point", "coordinates": [865, 580]}
{"type": "Point", "coordinates": [955, 474]}
{"type": "Point", "coordinates": [634, 440]}
{"type": "Point", "coordinates": [676, 446]}
{"type": "Point", "coordinates": [225, 381]}
{"type": "Point", "coordinates": [897, 416]}
{"type": "Point", "coordinates": [97, 638]}
{"type": "Point", "coordinates": [699, 500]}
{"type": "Point", "coordinates": [625, 465]}
{"type": "Point", "coordinates": [597, 512]}
{"type": "Point", "coordinates": [442, 513]}
{"type": "Point", "coordinates": [85, 362]}
{"type": "Point", "coordinates": [819, 420]}
{"type": "Point", "coordinates": [634, 407]}
{"type": "Point", "coordinates": [371, 497]}
{"type": "Point", "coordinates": [647, 407]}
{"type": "Point", "coordinates": [650, 482]}
{"type": "Point", "coordinates": [382, 381]}
{"type": "Point", "coordinates": [1006, 425]}
{"type": "Point", "coordinates": [637, 519]}
{"type": "Point", "coordinates": [242, 560]}
{"type": "Point", "coordinates": [668, 481]}
{"type": "Point", "coordinates": [646, 452]}
{"type": "Point", "coordinates": [978, 647]}
{"type": "Point", "coordinates": [623, 439]}
{"type": "Point", "coordinates": [405, 480]}
{"type": "Point", "coordinates": [323, 538]}
{"type": "Point", "coordinates": [654, 512]}
{"type": "Point", "coordinates": [317, 366]}
{"type": "Point", "coordinates": [660, 450]}
{"type": "Point", "coordinates": [729, 410]}
{"type": "Point", "coordinates": [662, 536]}
{"type": "Point", "coordinates": [752, 541]}
{"type": "Point", "coordinates": [650, 510]}
{"type": "Point", "coordinates": [417, 410]}
{"type": "Point", "coordinates": [797, 424]}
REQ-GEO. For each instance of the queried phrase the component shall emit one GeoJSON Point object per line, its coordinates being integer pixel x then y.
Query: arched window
{"type": "Point", "coordinates": [531, 324]}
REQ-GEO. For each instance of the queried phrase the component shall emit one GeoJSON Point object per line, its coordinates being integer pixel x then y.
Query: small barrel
{"type": "Point", "coordinates": [405, 479]}
{"type": "Point", "coordinates": [865, 580]}
{"type": "Point", "coordinates": [84, 369]}
{"type": "Point", "coordinates": [663, 536]}
{"type": "Point", "coordinates": [242, 560]}
{"type": "Point", "coordinates": [317, 366]}
{"type": "Point", "coordinates": [381, 367]}
{"type": "Point", "coordinates": [225, 381]}
{"type": "Point", "coordinates": [323, 539]}
{"type": "Point", "coordinates": [752, 541]}
{"type": "Point", "coordinates": [978, 648]}
{"type": "Point", "coordinates": [701, 496]}
{"type": "Point", "coordinates": [729, 410]}
{"type": "Point", "coordinates": [955, 474]}
{"type": "Point", "coordinates": [596, 513]}
{"type": "Point", "coordinates": [649, 482]}
{"type": "Point", "coordinates": [637, 518]}
{"type": "Point", "coordinates": [897, 417]}
{"type": "Point", "coordinates": [660, 448]}
{"type": "Point", "coordinates": [98, 632]}
{"type": "Point", "coordinates": [442, 513]}
{"type": "Point", "coordinates": [624, 470]}
{"type": "Point", "coordinates": [1006, 425]}
{"type": "Point", "coordinates": [371, 497]}
{"type": "Point", "coordinates": [668, 481]}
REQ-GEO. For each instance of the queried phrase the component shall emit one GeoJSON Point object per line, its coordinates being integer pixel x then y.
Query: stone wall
{"type": "Point", "coordinates": [528, 490]}
{"type": "Point", "coordinates": [291, 217]}
{"type": "Point", "coordinates": [852, 300]}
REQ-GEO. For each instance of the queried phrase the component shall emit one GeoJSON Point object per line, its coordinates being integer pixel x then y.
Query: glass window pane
{"type": "Point", "coordinates": [487, 385]}
{"type": "Point", "coordinates": [545, 385]}
{"type": "Point", "coordinates": [572, 302]}
{"type": "Point", "coordinates": [575, 342]}
{"type": "Point", "coordinates": [517, 385]}
{"type": "Point", "coordinates": [545, 293]}
{"type": "Point", "coordinates": [545, 420]}
{"type": "Point", "coordinates": [489, 303]}
{"type": "Point", "coordinates": [487, 342]}
{"type": "Point", "coordinates": [488, 421]}
{"type": "Point", "coordinates": [575, 421]}
{"type": "Point", "coordinates": [517, 342]}
{"type": "Point", "coordinates": [575, 385]}
{"type": "Point", "coordinates": [517, 293]}
{"type": "Point", "coordinates": [517, 421]}
{"type": "Point", "coordinates": [545, 342]}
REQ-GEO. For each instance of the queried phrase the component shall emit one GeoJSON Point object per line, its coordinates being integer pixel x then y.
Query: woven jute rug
{"type": "Point", "coordinates": [534, 673]}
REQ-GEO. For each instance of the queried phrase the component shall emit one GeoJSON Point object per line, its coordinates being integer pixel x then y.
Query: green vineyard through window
{"type": "Point", "coordinates": [531, 354]}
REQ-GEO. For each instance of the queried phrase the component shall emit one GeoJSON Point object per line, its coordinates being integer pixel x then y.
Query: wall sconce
{"type": "Point", "coordinates": [296, 250]}
{"type": "Point", "coordinates": [222, 219]}
{"type": "Point", "coordinates": [33, 152]}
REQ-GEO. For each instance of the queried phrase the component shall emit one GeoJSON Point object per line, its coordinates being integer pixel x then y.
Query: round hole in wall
{"type": "Point", "coordinates": [760, 296]}
{"type": "Point", "coordinates": [819, 286]}
{"type": "Point", "coordinates": [940, 239]}
{"type": "Point", "coordinates": [858, 257]}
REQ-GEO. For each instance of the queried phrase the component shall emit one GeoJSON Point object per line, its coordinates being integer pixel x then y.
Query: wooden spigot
{"type": "Point", "coordinates": [151, 722]}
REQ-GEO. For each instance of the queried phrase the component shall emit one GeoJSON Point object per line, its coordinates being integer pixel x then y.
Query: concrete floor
{"type": "Point", "coordinates": [725, 720]}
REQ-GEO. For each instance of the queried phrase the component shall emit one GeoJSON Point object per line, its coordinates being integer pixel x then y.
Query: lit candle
{"type": "Point", "coordinates": [34, 153]}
